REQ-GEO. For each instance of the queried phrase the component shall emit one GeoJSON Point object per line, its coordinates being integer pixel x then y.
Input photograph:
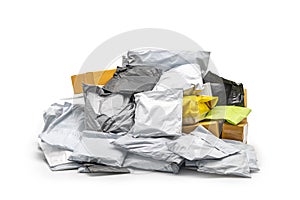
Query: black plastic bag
{"type": "Point", "coordinates": [229, 92]}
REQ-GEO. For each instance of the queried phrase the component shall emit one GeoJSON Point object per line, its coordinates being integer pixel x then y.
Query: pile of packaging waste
{"type": "Point", "coordinates": [161, 111]}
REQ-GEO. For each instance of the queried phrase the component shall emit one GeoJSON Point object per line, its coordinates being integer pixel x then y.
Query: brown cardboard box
{"type": "Point", "coordinates": [245, 98]}
{"type": "Point", "coordinates": [238, 132]}
{"type": "Point", "coordinates": [212, 126]}
{"type": "Point", "coordinates": [95, 78]}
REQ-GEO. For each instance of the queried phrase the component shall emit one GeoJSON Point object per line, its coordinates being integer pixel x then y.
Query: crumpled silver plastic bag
{"type": "Point", "coordinates": [250, 152]}
{"type": "Point", "coordinates": [57, 158]}
{"type": "Point", "coordinates": [145, 163]}
{"type": "Point", "coordinates": [133, 79]}
{"type": "Point", "coordinates": [205, 91]}
{"type": "Point", "coordinates": [236, 165]}
{"type": "Point", "coordinates": [76, 99]}
{"type": "Point", "coordinates": [200, 144]}
{"type": "Point", "coordinates": [185, 76]}
{"type": "Point", "coordinates": [94, 168]}
{"type": "Point", "coordinates": [165, 59]}
{"type": "Point", "coordinates": [63, 125]}
{"type": "Point", "coordinates": [95, 147]}
{"type": "Point", "coordinates": [154, 148]}
{"type": "Point", "coordinates": [106, 112]}
{"type": "Point", "coordinates": [158, 113]}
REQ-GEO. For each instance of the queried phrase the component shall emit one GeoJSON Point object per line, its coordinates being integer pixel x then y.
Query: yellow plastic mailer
{"type": "Point", "coordinates": [195, 108]}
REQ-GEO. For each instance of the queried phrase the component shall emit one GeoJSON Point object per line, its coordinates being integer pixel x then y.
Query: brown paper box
{"type": "Point", "coordinates": [95, 78]}
{"type": "Point", "coordinates": [238, 132]}
{"type": "Point", "coordinates": [212, 126]}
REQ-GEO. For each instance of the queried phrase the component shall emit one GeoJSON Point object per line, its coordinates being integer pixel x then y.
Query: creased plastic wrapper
{"type": "Point", "coordinates": [206, 90]}
{"type": "Point", "coordinates": [218, 90]}
{"type": "Point", "coordinates": [64, 124]}
{"type": "Point", "coordinates": [158, 113]}
{"type": "Point", "coordinates": [154, 148]}
{"type": "Point", "coordinates": [165, 59]}
{"type": "Point", "coordinates": [106, 112]}
{"type": "Point", "coordinates": [200, 144]}
{"type": "Point", "coordinates": [133, 79]}
{"type": "Point", "coordinates": [233, 92]}
{"type": "Point", "coordinates": [184, 76]}
{"type": "Point", "coordinates": [146, 163]}
{"type": "Point", "coordinates": [250, 152]}
{"type": "Point", "coordinates": [92, 168]}
{"type": "Point", "coordinates": [57, 158]}
{"type": "Point", "coordinates": [235, 165]}
{"type": "Point", "coordinates": [232, 114]}
{"type": "Point", "coordinates": [195, 108]}
{"type": "Point", "coordinates": [95, 147]}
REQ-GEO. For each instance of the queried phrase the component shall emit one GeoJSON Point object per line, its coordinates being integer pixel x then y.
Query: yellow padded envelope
{"type": "Point", "coordinates": [195, 108]}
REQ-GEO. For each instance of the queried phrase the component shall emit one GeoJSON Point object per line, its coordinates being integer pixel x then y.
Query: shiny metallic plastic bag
{"type": "Point", "coordinates": [165, 59]}
{"type": "Point", "coordinates": [145, 163]}
{"type": "Point", "coordinates": [64, 124]}
{"type": "Point", "coordinates": [102, 169]}
{"type": "Point", "coordinates": [57, 158]}
{"type": "Point", "coordinates": [236, 165]}
{"type": "Point", "coordinates": [154, 148]}
{"type": "Point", "coordinates": [106, 112]}
{"type": "Point", "coordinates": [184, 76]}
{"type": "Point", "coordinates": [158, 113]}
{"type": "Point", "coordinates": [250, 152]}
{"type": "Point", "coordinates": [200, 144]}
{"type": "Point", "coordinates": [133, 79]}
{"type": "Point", "coordinates": [96, 147]}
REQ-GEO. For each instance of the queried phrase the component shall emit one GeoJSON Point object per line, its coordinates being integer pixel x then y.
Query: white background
{"type": "Point", "coordinates": [43, 43]}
